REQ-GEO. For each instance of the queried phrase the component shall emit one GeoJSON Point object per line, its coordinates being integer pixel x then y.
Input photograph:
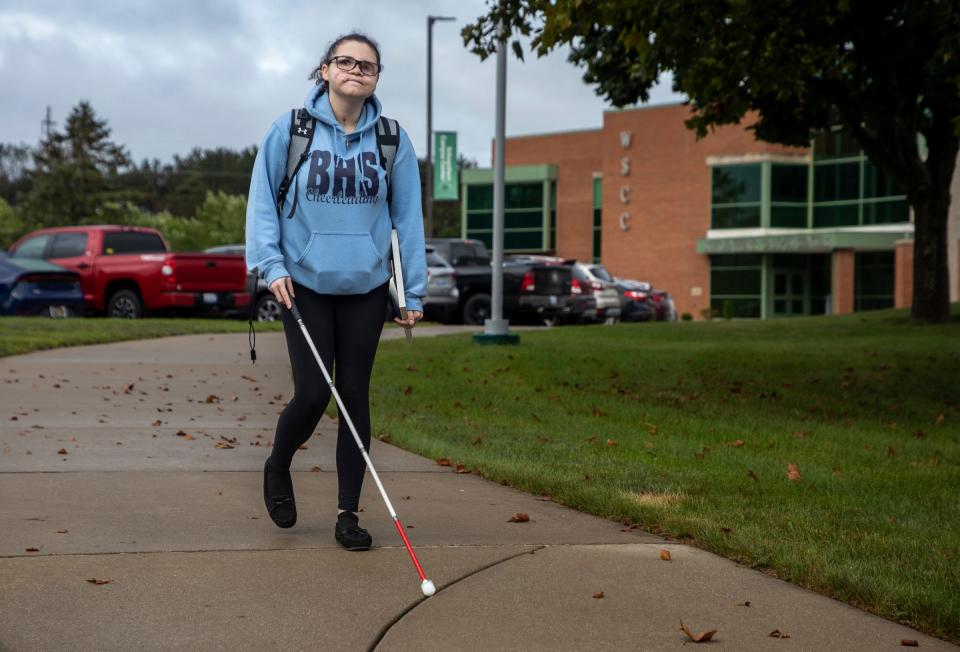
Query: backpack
{"type": "Point", "coordinates": [302, 126]}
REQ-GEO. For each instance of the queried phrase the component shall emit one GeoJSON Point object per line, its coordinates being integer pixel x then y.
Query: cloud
{"type": "Point", "coordinates": [168, 76]}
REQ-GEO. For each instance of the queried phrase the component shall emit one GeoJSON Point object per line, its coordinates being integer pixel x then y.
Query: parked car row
{"type": "Point", "coordinates": [124, 271]}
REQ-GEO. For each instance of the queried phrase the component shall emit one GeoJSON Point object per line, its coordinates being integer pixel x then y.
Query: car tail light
{"type": "Point", "coordinates": [635, 295]}
{"type": "Point", "coordinates": [575, 287]}
{"type": "Point", "coordinates": [167, 271]}
{"type": "Point", "coordinates": [527, 284]}
{"type": "Point", "coordinates": [596, 285]}
{"type": "Point", "coordinates": [657, 298]}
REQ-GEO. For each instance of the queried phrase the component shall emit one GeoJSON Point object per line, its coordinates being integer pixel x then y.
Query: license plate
{"type": "Point", "coordinates": [58, 312]}
{"type": "Point", "coordinates": [553, 299]}
{"type": "Point", "coordinates": [209, 297]}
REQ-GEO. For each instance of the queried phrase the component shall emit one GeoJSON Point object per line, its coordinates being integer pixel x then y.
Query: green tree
{"type": "Point", "coordinates": [74, 171]}
{"type": "Point", "coordinates": [886, 70]}
{"type": "Point", "coordinates": [11, 226]}
{"type": "Point", "coordinates": [14, 171]}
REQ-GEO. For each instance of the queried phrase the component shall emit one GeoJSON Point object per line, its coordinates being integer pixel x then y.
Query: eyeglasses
{"type": "Point", "coordinates": [368, 68]}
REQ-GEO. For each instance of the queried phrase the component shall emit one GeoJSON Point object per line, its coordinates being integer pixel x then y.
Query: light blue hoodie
{"type": "Point", "coordinates": [334, 233]}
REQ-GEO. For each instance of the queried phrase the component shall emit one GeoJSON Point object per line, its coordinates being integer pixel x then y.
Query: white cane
{"type": "Point", "coordinates": [398, 281]}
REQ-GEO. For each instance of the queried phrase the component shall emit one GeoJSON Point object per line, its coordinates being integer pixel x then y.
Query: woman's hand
{"type": "Point", "coordinates": [413, 316]}
{"type": "Point", "coordinates": [282, 289]}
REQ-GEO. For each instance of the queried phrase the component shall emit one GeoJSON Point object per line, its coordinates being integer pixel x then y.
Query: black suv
{"type": "Point", "coordinates": [532, 291]}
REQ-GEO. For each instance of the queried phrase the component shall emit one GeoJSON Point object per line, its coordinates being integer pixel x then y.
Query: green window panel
{"type": "Point", "coordinates": [877, 184]}
{"type": "Point", "coordinates": [873, 280]}
{"type": "Point", "coordinates": [788, 183]}
{"type": "Point", "coordinates": [788, 216]}
{"type": "Point", "coordinates": [736, 260]}
{"type": "Point", "coordinates": [738, 307]}
{"type": "Point", "coordinates": [886, 212]}
{"type": "Point", "coordinates": [523, 219]}
{"type": "Point", "coordinates": [735, 281]}
{"type": "Point", "coordinates": [480, 197]}
{"type": "Point", "coordinates": [524, 195]}
{"type": "Point", "coordinates": [479, 220]}
{"type": "Point", "coordinates": [736, 184]}
{"type": "Point", "coordinates": [735, 217]}
{"type": "Point", "coordinates": [523, 240]}
{"type": "Point", "coordinates": [825, 216]}
{"type": "Point", "coordinates": [836, 181]}
{"type": "Point", "coordinates": [597, 192]}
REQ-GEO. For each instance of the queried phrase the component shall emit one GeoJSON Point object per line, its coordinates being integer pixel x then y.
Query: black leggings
{"type": "Point", "coordinates": [345, 329]}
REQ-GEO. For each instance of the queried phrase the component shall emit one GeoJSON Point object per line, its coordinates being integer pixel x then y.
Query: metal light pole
{"type": "Point", "coordinates": [430, 21]}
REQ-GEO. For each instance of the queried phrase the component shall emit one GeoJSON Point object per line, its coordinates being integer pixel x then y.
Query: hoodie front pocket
{"type": "Point", "coordinates": [342, 262]}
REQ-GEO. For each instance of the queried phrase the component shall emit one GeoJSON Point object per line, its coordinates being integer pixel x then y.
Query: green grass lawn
{"type": "Point", "coordinates": [25, 334]}
{"type": "Point", "coordinates": [688, 430]}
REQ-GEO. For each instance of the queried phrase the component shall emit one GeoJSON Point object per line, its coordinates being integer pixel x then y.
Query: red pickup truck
{"type": "Point", "coordinates": [127, 271]}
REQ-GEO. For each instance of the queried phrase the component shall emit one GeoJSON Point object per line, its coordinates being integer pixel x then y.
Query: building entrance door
{"type": "Point", "coordinates": [789, 292]}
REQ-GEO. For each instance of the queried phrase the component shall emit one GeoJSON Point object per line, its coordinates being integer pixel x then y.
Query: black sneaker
{"type": "Point", "coordinates": [349, 534]}
{"type": "Point", "coordinates": [278, 495]}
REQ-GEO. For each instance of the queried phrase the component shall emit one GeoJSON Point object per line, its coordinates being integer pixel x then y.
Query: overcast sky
{"type": "Point", "coordinates": [169, 75]}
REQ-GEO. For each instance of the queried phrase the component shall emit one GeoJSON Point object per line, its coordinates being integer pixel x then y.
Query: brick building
{"type": "Point", "coordinates": [727, 223]}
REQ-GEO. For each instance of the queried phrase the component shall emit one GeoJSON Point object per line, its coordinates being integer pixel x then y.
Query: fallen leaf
{"type": "Point", "coordinates": [519, 517]}
{"type": "Point", "coordinates": [213, 398]}
{"type": "Point", "coordinates": [939, 420]}
{"type": "Point", "coordinates": [409, 390]}
{"type": "Point", "coordinates": [62, 451]}
{"type": "Point", "coordinates": [462, 468]}
{"type": "Point", "coordinates": [315, 469]}
{"type": "Point", "coordinates": [891, 451]}
{"type": "Point", "coordinates": [697, 638]}
{"type": "Point", "coordinates": [727, 530]}
{"type": "Point", "coordinates": [752, 475]}
{"type": "Point", "coordinates": [598, 595]}
{"type": "Point", "coordinates": [443, 461]}
{"type": "Point", "coordinates": [778, 634]}
{"type": "Point", "coordinates": [597, 412]}
{"type": "Point", "coordinates": [906, 642]}
{"type": "Point", "coordinates": [223, 444]}
{"type": "Point", "coordinates": [919, 434]}
{"type": "Point", "coordinates": [62, 531]}
{"type": "Point", "coordinates": [793, 472]}
{"type": "Point", "coordinates": [94, 580]}
{"type": "Point", "coordinates": [33, 549]}
{"type": "Point", "coordinates": [736, 444]}
{"type": "Point", "coordinates": [611, 442]}
{"type": "Point", "coordinates": [744, 604]}
{"type": "Point", "coordinates": [156, 423]}
{"type": "Point", "coordinates": [664, 554]}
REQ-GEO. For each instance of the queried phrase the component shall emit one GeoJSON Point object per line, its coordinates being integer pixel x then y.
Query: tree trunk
{"type": "Point", "coordinates": [931, 285]}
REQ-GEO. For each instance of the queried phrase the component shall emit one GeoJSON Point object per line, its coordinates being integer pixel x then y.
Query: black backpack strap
{"type": "Point", "coordinates": [302, 126]}
{"type": "Point", "coordinates": [388, 141]}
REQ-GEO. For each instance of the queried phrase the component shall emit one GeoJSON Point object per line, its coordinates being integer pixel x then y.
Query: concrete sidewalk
{"type": "Point", "coordinates": [144, 498]}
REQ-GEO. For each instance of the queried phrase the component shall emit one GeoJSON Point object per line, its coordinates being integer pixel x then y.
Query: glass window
{"type": "Point", "coordinates": [738, 307]}
{"type": "Point", "coordinates": [788, 183]}
{"type": "Point", "coordinates": [735, 281]}
{"type": "Point", "coordinates": [886, 212]}
{"type": "Point", "coordinates": [835, 215]}
{"type": "Point", "coordinates": [524, 195]}
{"type": "Point", "coordinates": [32, 247]}
{"type": "Point", "coordinates": [601, 273]}
{"type": "Point", "coordinates": [529, 219]}
{"type": "Point", "coordinates": [68, 245]}
{"type": "Point", "coordinates": [836, 181]}
{"type": "Point", "coordinates": [597, 192]}
{"type": "Point", "coordinates": [480, 197]}
{"type": "Point", "coordinates": [523, 240]}
{"type": "Point", "coordinates": [736, 184]}
{"type": "Point", "coordinates": [482, 220]}
{"type": "Point", "coordinates": [128, 242]}
{"type": "Point", "coordinates": [735, 217]}
{"type": "Point", "coordinates": [877, 184]}
{"type": "Point", "coordinates": [788, 216]}
{"type": "Point", "coordinates": [873, 280]}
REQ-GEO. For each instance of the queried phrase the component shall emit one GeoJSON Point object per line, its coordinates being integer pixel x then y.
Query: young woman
{"type": "Point", "coordinates": [329, 251]}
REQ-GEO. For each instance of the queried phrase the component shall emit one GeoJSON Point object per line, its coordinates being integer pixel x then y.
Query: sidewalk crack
{"type": "Point", "coordinates": [386, 628]}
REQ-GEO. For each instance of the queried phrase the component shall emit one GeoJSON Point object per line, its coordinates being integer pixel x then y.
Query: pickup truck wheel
{"type": "Point", "coordinates": [476, 309]}
{"type": "Point", "coordinates": [126, 304]}
{"type": "Point", "coordinates": [267, 308]}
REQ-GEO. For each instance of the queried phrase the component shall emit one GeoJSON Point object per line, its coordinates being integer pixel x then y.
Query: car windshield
{"type": "Point", "coordinates": [435, 260]}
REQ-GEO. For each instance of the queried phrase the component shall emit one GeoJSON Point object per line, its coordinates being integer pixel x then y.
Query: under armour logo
{"type": "Point", "coordinates": [301, 130]}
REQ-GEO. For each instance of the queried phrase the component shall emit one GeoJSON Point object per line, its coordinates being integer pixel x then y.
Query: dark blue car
{"type": "Point", "coordinates": [33, 287]}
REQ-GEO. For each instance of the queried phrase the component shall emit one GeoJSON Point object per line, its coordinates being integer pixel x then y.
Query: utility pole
{"type": "Point", "coordinates": [429, 198]}
{"type": "Point", "coordinates": [46, 124]}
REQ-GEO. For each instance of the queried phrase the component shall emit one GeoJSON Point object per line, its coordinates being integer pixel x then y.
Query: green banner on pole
{"type": "Point", "coordinates": [446, 181]}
